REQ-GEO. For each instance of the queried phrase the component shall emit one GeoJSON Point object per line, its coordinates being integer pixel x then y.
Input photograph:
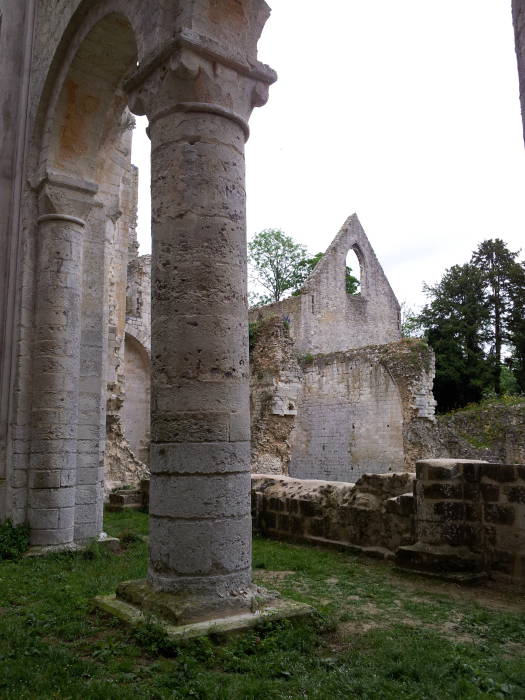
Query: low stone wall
{"type": "Point", "coordinates": [470, 518]}
{"type": "Point", "coordinates": [374, 515]}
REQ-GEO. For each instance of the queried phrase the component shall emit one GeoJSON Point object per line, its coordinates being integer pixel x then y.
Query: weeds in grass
{"type": "Point", "coordinates": [398, 640]}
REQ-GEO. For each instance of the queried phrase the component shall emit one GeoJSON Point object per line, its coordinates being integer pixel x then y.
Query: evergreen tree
{"type": "Point", "coordinates": [498, 267]}
{"type": "Point", "coordinates": [456, 322]}
{"type": "Point", "coordinates": [516, 325]}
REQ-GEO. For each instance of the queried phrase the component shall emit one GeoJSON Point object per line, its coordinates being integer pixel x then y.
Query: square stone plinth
{"type": "Point", "coordinates": [276, 609]}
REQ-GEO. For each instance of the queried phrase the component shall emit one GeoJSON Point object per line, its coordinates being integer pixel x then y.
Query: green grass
{"type": "Point", "coordinates": [377, 634]}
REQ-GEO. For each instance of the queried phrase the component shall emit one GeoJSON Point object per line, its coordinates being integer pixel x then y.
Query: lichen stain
{"type": "Point", "coordinates": [74, 134]}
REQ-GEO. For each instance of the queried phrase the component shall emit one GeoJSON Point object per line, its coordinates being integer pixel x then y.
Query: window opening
{"type": "Point", "coordinates": [352, 273]}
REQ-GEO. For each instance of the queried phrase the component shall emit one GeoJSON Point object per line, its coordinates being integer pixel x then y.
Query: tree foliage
{"type": "Point", "coordinates": [307, 265]}
{"type": "Point", "coordinates": [475, 323]}
{"type": "Point", "coordinates": [275, 259]}
{"type": "Point", "coordinates": [281, 266]}
{"type": "Point", "coordinates": [496, 263]}
{"type": "Point", "coordinates": [455, 321]}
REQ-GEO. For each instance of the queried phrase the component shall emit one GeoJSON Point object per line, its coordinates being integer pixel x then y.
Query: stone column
{"type": "Point", "coordinates": [200, 536]}
{"type": "Point", "coordinates": [64, 206]}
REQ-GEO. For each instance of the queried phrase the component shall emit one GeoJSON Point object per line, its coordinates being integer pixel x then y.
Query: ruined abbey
{"type": "Point", "coordinates": [115, 367]}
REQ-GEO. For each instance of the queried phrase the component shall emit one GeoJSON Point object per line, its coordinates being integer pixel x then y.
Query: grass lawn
{"type": "Point", "coordinates": [378, 634]}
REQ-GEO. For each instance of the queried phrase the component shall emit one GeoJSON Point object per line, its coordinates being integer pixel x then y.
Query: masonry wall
{"type": "Point", "coordinates": [340, 415]}
{"type": "Point", "coordinates": [129, 366]}
{"type": "Point", "coordinates": [470, 517]}
{"type": "Point", "coordinates": [375, 515]}
{"type": "Point", "coordinates": [15, 50]}
{"type": "Point", "coordinates": [136, 408]}
{"type": "Point", "coordinates": [350, 420]}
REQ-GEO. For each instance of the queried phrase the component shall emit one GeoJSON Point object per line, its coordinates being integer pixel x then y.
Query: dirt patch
{"type": "Point", "coordinates": [271, 576]}
{"type": "Point", "coordinates": [489, 596]}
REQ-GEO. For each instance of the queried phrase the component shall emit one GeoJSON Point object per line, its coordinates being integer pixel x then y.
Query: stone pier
{"type": "Point", "coordinates": [64, 206]}
{"type": "Point", "coordinates": [198, 104]}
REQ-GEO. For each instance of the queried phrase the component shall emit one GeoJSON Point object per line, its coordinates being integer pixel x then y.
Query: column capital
{"type": "Point", "coordinates": [193, 73]}
{"type": "Point", "coordinates": [65, 198]}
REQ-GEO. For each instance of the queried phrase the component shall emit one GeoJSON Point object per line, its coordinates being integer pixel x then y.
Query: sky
{"type": "Point", "coordinates": [404, 112]}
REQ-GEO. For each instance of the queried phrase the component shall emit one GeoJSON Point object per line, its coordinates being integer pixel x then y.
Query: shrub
{"type": "Point", "coordinates": [14, 540]}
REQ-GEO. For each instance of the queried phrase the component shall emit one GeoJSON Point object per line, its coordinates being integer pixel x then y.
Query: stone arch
{"type": "Point", "coordinates": [85, 99]}
{"type": "Point", "coordinates": [88, 16]}
{"type": "Point", "coordinates": [136, 407]}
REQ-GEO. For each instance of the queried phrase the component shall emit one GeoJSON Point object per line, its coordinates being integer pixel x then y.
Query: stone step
{"type": "Point", "coordinates": [439, 559]}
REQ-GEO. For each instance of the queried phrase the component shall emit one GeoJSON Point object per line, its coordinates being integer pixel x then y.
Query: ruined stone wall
{"type": "Point", "coordinates": [324, 318]}
{"type": "Point", "coordinates": [359, 411]}
{"type": "Point", "coordinates": [138, 300]}
{"type": "Point", "coordinates": [275, 389]}
{"type": "Point", "coordinates": [492, 431]}
{"type": "Point", "coordinates": [461, 519]}
{"type": "Point", "coordinates": [470, 519]}
{"type": "Point", "coordinates": [340, 415]}
{"type": "Point", "coordinates": [361, 398]}
{"type": "Point", "coordinates": [136, 408]}
{"type": "Point", "coordinates": [375, 515]}
{"type": "Point", "coordinates": [128, 383]}
{"type": "Point", "coordinates": [350, 420]}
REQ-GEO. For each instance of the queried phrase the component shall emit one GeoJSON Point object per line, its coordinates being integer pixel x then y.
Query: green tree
{"type": "Point", "coordinates": [274, 258]}
{"type": "Point", "coordinates": [303, 270]}
{"type": "Point", "coordinates": [455, 323]}
{"type": "Point", "coordinates": [351, 282]}
{"type": "Point", "coordinates": [498, 267]}
{"type": "Point", "coordinates": [410, 323]}
{"type": "Point", "coordinates": [516, 325]}
{"type": "Point", "coordinates": [306, 266]}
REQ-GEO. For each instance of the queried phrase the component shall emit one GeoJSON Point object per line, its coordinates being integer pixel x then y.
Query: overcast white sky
{"type": "Point", "coordinates": [405, 112]}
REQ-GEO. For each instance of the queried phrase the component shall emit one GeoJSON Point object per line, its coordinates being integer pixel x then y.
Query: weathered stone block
{"type": "Point", "coordinates": [316, 527]}
{"type": "Point", "coordinates": [297, 526]}
{"type": "Point", "coordinates": [268, 520]}
{"type": "Point", "coordinates": [442, 472]}
{"type": "Point", "coordinates": [471, 471]}
{"type": "Point", "coordinates": [489, 492]}
{"type": "Point", "coordinates": [502, 561]}
{"type": "Point", "coordinates": [45, 479]}
{"type": "Point", "coordinates": [516, 494]}
{"type": "Point", "coordinates": [499, 514]}
{"type": "Point", "coordinates": [283, 522]}
{"type": "Point", "coordinates": [310, 509]}
{"type": "Point", "coordinates": [498, 472]}
{"type": "Point", "coordinates": [201, 496]}
{"type": "Point", "coordinates": [443, 490]}
{"type": "Point", "coordinates": [51, 537]}
{"type": "Point", "coordinates": [275, 504]}
{"type": "Point", "coordinates": [53, 498]}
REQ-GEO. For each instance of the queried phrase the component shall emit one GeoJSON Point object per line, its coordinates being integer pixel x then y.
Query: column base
{"type": "Point", "coordinates": [184, 616]}
{"type": "Point", "coordinates": [39, 550]}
